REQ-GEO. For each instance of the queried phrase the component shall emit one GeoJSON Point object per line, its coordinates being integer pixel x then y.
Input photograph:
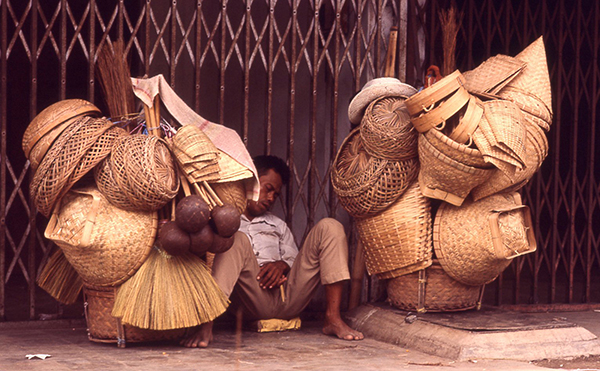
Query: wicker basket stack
{"type": "Point", "coordinates": [478, 137]}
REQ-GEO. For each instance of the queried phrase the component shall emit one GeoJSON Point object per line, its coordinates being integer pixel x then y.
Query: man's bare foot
{"type": "Point", "coordinates": [199, 338]}
{"type": "Point", "coordinates": [337, 327]}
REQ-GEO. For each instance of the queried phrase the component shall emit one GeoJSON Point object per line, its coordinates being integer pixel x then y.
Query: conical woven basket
{"type": "Point", "coordinates": [477, 241]}
{"type": "Point", "coordinates": [106, 245]}
{"type": "Point", "coordinates": [366, 185]}
{"type": "Point", "coordinates": [386, 131]}
{"type": "Point", "coordinates": [140, 173]}
{"type": "Point", "coordinates": [398, 240]}
{"type": "Point", "coordinates": [505, 130]}
{"type": "Point", "coordinates": [537, 150]}
{"type": "Point", "coordinates": [532, 107]}
{"type": "Point", "coordinates": [444, 178]}
{"type": "Point", "coordinates": [432, 290]}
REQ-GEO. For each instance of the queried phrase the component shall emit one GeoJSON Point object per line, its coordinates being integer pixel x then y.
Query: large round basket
{"type": "Point", "coordinates": [104, 328]}
{"type": "Point", "coordinates": [140, 173]}
{"type": "Point", "coordinates": [366, 185]}
{"type": "Point", "coordinates": [386, 131]}
{"type": "Point", "coordinates": [397, 241]}
{"type": "Point", "coordinates": [105, 244]}
{"type": "Point", "coordinates": [477, 241]}
{"type": "Point", "coordinates": [432, 290]}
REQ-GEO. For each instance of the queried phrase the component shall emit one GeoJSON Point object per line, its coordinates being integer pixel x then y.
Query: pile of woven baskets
{"type": "Point", "coordinates": [107, 192]}
{"type": "Point", "coordinates": [431, 177]}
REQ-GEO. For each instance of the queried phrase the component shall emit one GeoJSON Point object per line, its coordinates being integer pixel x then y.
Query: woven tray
{"type": "Point", "coordinates": [432, 290]}
{"type": "Point", "coordinates": [104, 328]}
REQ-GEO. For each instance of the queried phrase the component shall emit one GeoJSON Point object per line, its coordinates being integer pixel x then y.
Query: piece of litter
{"type": "Point", "coordinates": [40, 356]}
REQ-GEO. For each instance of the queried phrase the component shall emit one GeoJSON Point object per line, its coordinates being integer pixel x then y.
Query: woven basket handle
{"type": "Point", "coordinates": [51, 231]}
{"type": "Point", "coordinates": [500, 250]}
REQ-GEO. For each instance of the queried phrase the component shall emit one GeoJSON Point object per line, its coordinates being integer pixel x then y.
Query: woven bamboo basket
{"type": "Point", "coordinates": [397, 241]}
{"type": "Point", "coordinates": [41, 147]}
{"type": "Point", "coordinates": [536, 151]}
{"type": "Point", "coordinates": [457, 151]}
{"type": "Point", "coordinates": [106, 245]}
{"type": "Point", "coordinates": [532, 107]}
{"type": "Point", "coordinates": [51, 179]}
{"type": "Point", "coordinates": [444, 178]}
{"type": "Point", "coordinates": [477, 241]}
{"type": "Point", "coordinates": [140, 173]}
{"type": "Point", "coordinates": [366, 185]}
{"type": "Point", "coordinates": [468, 123]}
{"type": "Point", "coordinates": [104, 328]}
{"type": "Point", "coordinates": [493, 74]}
{"type": "Point", "coordinates": [386, 131]}
{"type": "Point", "coordinates": [233, 193]}
{"type": "Point", "coordinates": [432, 290]}
{"type": "Point", "coordinates": [53, 117]}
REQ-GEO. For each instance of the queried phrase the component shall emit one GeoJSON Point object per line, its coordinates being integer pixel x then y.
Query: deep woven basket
{"type": "Point", "coordinates": [444, 178]}
{"type": "Point", "coordinates": [386, 131]}
{"type": "Point", "coordinates": [233, 193]}
{"type": "Point", "coordinates": [140, 173]}
{"type": "Point", "coordinates": [104, 328]}
{"type": "Point", "coordinates": [105, 244]}
{"type": "Point", "coordinates": [537, 150]}
{"type": "Point", "coordinates": [399, 239]}
{"type": "Point", "coordinates": [366, 185]}
{"type": "Point", "coordinates": [457, 151]}
{"type": "Point", "coordinates": [51, 179]}
{"type": "Point", "coordinates": [432, 290]}
{"type": "Point", "coordinates": [477, 241]}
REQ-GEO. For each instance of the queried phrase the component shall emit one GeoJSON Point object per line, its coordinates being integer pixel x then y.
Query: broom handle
{"type": "Point", "coordinates": [358, 273]}
{"type": "Point", "coordinates": [212, 193]}
{"type": "Point", "coordinates": [153, 117]}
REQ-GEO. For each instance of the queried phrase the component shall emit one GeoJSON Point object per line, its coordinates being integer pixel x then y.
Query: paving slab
{"type": "Point", "coordinates": [470, 335]}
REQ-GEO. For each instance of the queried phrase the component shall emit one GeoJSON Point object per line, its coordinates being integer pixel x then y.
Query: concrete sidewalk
{"type": "Point", "coordinates": [307, 349]}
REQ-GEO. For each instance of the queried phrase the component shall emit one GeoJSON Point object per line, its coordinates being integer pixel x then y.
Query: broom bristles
{"type": "Point", "coordinates": [448, 20]}
{"type": "Point", "coordinates": [115, 80]}
{"type": "Point", "coordinates": [59, 279]}
{"type": "Point", "coordinates": [169, 292]}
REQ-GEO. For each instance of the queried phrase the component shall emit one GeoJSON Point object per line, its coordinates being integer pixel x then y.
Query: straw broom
{"type": "Point", "coordinates": [115, 80]}
{"type": "Point", "coordinates": [59, 279]}
{"type": "Point", "coordinates": [169, 292]}
{"type": "Point", "coordinates": [448, 20]}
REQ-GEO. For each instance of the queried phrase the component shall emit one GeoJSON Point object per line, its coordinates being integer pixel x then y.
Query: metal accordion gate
{"type": "Point", "coordinates": [281, 73]}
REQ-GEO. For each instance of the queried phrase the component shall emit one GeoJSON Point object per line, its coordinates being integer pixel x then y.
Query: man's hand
{"type": "Point", "coordinates": [272, 274]}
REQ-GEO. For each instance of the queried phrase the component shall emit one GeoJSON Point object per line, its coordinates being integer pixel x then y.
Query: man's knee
{"type": "Point", "coordinates": [330, 225]}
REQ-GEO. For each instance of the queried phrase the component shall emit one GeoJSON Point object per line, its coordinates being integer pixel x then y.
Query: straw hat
{"type": "Point", "coordinates": [476, 242]}
{"type": "Point", "coordinates": [52, 117]}
{"type": "Point", "coordinates": [105, 244]}
{"type": "Point", "coordinates": [377, 88]}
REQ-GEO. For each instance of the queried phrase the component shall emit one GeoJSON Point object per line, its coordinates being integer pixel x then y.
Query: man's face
{"type": "Point", "coordinates": [270, 187]}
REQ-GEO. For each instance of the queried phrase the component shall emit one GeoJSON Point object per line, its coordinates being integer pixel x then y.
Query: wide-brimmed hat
{"type": "Point", "coordinates": [477, 241]}
{"type": "Point", "coordinates": [377, 88]}
{"type": "Point", "coordinates": [52, 117]}
{"type": "Point", "coordinates": [105, 244]}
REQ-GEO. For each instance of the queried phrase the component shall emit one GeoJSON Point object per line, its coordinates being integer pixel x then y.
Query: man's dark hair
{"type": "Point", "coordinates": [265, 162]}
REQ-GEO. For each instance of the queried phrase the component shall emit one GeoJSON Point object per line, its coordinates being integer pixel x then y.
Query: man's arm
{"type": "Point", "coordinates": [273, 274]}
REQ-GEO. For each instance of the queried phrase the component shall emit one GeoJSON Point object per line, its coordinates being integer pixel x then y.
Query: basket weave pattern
{"type": "Point", "coordinates": [366, 185]}
{"type": "Point", "coordinates": [140, 174]}
{"type": "Point", "coordinates": [399, 237]}
{"type": "Point", "coordinates": [432, 290]}
{"type": "Point", "coordinates": [386, 131]}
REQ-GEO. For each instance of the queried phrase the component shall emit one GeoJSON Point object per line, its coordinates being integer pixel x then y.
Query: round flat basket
{"type": "Point", "coordinates": [374, 89]}
{"type": "Point", "coordinates": [140, 173]}
{"type": "Point", "coordinates": [444, 178]}
{"type": "Point", "coordinates": [366, 185]}
{"type": "Point", "coordinates": [106, 245]}
{"type": "Point", "coordinates": [104, 328]}
{"type": "Point", "coordinates": [432, 290]}
{"type": "Point", "coordinates": [386, 131]}
{"type": "Point", "coordinates": [398, 240]}
{"type": "Point", "coordinates": [477, 241]}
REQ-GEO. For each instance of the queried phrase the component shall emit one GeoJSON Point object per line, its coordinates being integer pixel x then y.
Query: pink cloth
{"type": "Point", "coordinates": [225, 139]}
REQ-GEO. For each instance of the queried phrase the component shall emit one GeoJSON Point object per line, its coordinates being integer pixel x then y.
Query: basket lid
{"type": "Point", "coordinates": [377, 88]}
{"type": "Point", "coordinates": [476, 241]}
